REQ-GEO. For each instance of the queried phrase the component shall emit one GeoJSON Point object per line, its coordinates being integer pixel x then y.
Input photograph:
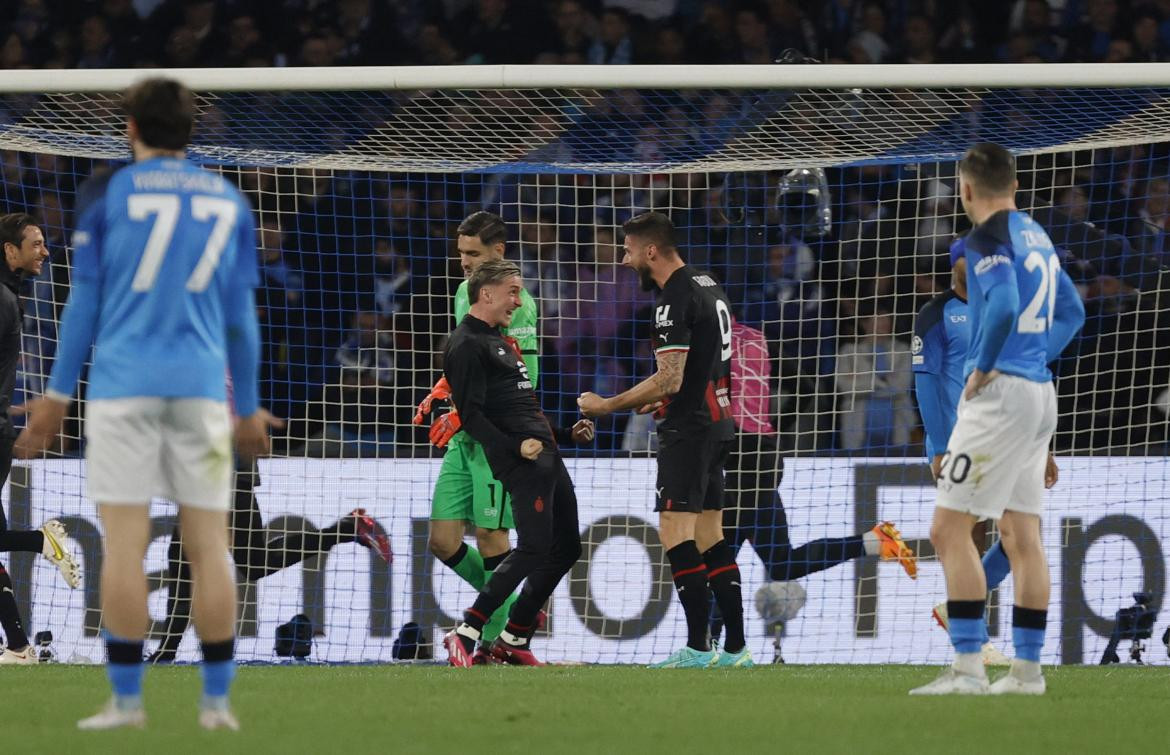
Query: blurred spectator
{"type": "Point", "coordinates": [1147, 44]}
{"type": "Point", "coordinates": [670, 46]}
{"type": "Point", "coordinates": [391, 278]}
{"type": "Point", "coordinates": [357, 408]}
{"type": "Point", "coordinates": [713, 38]}
{"type": "Point", "coordinates": [754, 41]}
{"type": "Point", "coordinates": [919, 45]}
{"type": "Point", "coordinates": [869, 44]}
{"type": "Point", "coordinates": [613, 45]}
{"type": "Point", "coordinates": [316, 51]}
{"type": "Point", "coordinates": [1092, 37]}
{"type": "Point", "coordinates": [873, 386]}
{"type": "Point", "coordinates": [575, 31]}
{"type": "Point", "coordinates": [243, 41]}
{"type": "Point", "coordinates": [1151, 225]}
{"type": "Point", "coordinates": [363, 36]}
{"type": "Point", "coordinates": [97, 48]}
{"type": "Point", "coordinates": [496, 31]}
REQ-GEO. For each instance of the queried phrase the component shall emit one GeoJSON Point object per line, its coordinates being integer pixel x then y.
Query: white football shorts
{"type": "Point", "coordinates": [142, 448]}
{"type": "Point", "coordinates": [997, 452]}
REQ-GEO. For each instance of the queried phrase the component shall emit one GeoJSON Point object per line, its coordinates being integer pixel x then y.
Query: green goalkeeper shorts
{"type": "Point", "coordinates": [467, 490]}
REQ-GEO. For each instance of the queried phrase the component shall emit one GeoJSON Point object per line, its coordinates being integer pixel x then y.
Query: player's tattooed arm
{"type": "Point", "coordinates": [665, 382]}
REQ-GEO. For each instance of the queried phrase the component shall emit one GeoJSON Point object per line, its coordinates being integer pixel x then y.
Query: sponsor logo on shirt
{"type": "Point", "coordinates": [958, 318]}
{"type": "Point", "coordinates": [703, 280]}
{"type": "Point", "coordinates": [985, 264]}
{"type": "Point", "coordinates": [80, 238]}
{"type": "Point", "coordinates": [662, 317]}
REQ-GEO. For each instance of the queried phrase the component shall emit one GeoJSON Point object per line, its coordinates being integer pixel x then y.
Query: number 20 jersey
{"type": "Point", "coordinates": [1011, 249]}
{"type": "Point", "coordinates": [165, 242]}
{"type": "Point", "coordinates": [692, 315]}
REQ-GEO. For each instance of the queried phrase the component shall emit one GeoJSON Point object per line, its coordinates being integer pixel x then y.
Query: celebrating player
{"type": "Point", "coordinates": [466, 490]}
{"type": "Point", "coordinates": [692, 340]}
{"type": "Point", "coordinates": [163, 279]}
{"type": "Point", "coordinates": [24, 254]}
{"type": "Point", "coordinates": [493, 394]}
{"type": "Point", "coordinates": [1024, 310]}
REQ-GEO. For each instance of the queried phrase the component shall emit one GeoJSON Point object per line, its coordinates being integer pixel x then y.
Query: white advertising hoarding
{"type": "Point", "coordinates": [1106, 530]}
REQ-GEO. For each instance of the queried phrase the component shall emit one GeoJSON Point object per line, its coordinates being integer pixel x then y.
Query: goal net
{"type": "Point", "coordinates": [822, 197]}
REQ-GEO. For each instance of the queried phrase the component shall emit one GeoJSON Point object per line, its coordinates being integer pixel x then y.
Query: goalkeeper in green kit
{"type": "Point", "coordinates": [466, 491]}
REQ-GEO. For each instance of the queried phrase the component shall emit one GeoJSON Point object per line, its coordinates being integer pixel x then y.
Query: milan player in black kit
{"type": "Point", "coordinates": [692, 343]}
{"type": "Point", "coordinates": [498, 407]}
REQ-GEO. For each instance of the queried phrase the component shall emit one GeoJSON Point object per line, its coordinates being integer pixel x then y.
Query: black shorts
{"type": "Point", "coordinates": [690, 473]}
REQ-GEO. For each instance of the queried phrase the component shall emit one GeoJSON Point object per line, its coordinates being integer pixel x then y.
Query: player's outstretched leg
{"type": "Point", "coordinates": [888, 542]}
{"type": "Point", "coordinates": [54, 549]}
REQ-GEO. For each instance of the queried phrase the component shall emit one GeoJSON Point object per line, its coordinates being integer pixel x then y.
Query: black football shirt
{"type": "Point", "coordinates": [693, 316]}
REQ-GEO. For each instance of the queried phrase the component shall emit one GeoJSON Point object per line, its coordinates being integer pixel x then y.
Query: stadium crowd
{"type": "Point", "coordinates": [358, 270]}
{"type": "Point", "coordinates": [191, 33]}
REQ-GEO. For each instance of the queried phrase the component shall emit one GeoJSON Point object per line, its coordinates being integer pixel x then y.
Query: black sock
{"type": "Point", "coordinates": [455, 558]}
{"type": "Point", "coordinates": [9, 615]}
{"type": "Point", "coordinates": [690, 580]}
{"type": "Point", "coordinates": [23, 541]}
{"type": "Point", "coordinates": [124, 652]}
{"type": "Point", "coordinates": [491, 563]}
{"type": "Point", "coordinates": [217, 652]}
{"type": "Point", "coordinates": [475, 619]}
{"type": "Point", "coordinates": [723, 578]}
{"type": "Point", "coordinates": [522, 632]}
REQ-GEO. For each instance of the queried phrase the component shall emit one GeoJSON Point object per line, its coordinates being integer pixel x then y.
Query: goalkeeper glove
{"type": "Point", "coordinates": [441, 392]}
{"type": "Point", "coordinates": [444, 429]}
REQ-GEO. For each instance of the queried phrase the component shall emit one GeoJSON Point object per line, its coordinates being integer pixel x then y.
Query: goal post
{"type": "Point", "coordinates": [822, 197]}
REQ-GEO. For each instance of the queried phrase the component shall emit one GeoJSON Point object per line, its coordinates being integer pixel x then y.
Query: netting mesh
{"type": "Point", "coordinates": [587, 130]}
{"type": "Point", "coordinates": [357, 197]}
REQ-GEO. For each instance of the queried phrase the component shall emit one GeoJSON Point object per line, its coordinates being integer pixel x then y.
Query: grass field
{"type": "Point", "coordinates": [389, 709]}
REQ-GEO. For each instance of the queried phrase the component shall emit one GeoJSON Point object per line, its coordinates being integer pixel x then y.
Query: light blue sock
{"type": "Point", "coordinates": [124, 668]}
{"type": "Point", "coordinates": [995, 565]}
{"type": "Point", "coordinates": [1028, 632]}
{"type": "Point", "coordinates": [1028, 643]}
{"type": "Point", "coordinates": [217, 678]}
{"type": "Point", "coordinates": [126, 678]}
{"type": "Point", "coordinates": [968, 635]}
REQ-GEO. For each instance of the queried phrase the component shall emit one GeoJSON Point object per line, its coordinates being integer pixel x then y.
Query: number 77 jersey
{"type": "Point", "coordinates": [1011, 249]}
{"type": "Point", "coordinates": [692, 316]}
{"type": "Point", "coordinates": [169, 250]}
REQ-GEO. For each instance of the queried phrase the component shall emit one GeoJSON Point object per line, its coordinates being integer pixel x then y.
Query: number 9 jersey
{"type": "Point", "coordinates": [1011, 249]}
{"type": "Point", "coordinates": [692, 315]}
{"type": "Point", "coordinates": [168, 250]}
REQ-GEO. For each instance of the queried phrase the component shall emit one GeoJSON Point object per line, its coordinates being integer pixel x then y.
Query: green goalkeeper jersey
{"type": "Point", "coordinates": [523, 329]}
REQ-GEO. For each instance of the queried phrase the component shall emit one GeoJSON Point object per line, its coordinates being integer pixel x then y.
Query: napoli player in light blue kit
{"type": "Point", "coordinates": [1023, 310]}
{"type": "Point", "coordinates": [942, 336]}
{"type": "Point", "coordinates": [164, 267]}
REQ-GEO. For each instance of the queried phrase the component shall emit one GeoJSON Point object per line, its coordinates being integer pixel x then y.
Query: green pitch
{"type": "Point", "coordinates": [390, 709]}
